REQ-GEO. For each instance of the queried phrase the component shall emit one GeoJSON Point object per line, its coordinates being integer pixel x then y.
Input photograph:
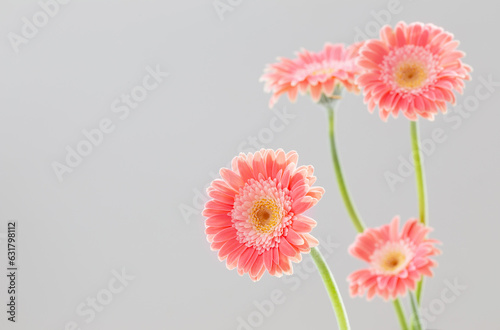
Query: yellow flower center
{"type": "Point", "coordinates": [410, 75]}
{"type": "Point", "coordinates": [392, 261]}
{"type": "Point", "coordinates": [265, 215]}
{"type": "Point", "coordinates": [324, 71]}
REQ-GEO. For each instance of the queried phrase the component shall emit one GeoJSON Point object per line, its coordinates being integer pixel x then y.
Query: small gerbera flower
{"type": "Point", "coordinates": [316, 73]}
{"type": "Point", "coordinates": [397, 260]}
{"type": "Point", "coordinates": [255, 218]}
{"type": "Point", "coordinates": [414, 69]}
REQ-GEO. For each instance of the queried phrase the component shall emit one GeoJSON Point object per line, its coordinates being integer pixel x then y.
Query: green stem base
{"type": "Point", "coordinates": [331, 287]}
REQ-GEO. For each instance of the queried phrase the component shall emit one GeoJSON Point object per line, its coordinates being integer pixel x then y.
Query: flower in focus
{"type": "Point", "coordinates": [413, 68]}
{"type": "Point", "coordinates": [255, 219]}
{"type": "Point", "coordinates": [316, 73]}
{"type": "Point", "coordinates": [397, 260]}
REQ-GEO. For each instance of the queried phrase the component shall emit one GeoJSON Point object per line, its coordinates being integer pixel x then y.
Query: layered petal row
{"type": "Point", "coordinates": [255, 218]}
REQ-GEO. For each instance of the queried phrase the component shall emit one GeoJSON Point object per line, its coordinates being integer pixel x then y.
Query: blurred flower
{"type": "Point", "coordinates": [316, 73]}
{"type": "Point", "coordinates": [397, 260]}
{"type": "Point", "coordinates": [255, 218]}
{"type": "Point", "coordinates": [414, 69]}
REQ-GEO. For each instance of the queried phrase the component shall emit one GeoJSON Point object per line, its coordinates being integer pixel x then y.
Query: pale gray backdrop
{"type": "Point", "coordinates": [133, 203]}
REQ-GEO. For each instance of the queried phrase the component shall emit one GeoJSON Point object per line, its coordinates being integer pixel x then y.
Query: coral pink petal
{"type": "Point", "coordinates": [254, 219]}
{"type": "Point", "coordinates": [225, 234]}
{"type": "Point", "coordinates": [231, 178]}
{"type": "Point", "coordinates": [316, 73]}
{"type": "Point", "coordinates": [414, 69]}
{"type": "Point", "coordinates": [294, 238]}
{"type": "Point", "coordinates": [303, 204]}
{"type": "Point", "coordinates": [220, 220]}
{"type": "Point", "coordinates": [286, 248]}
{"type": "Point", "coordinates": [396, 260]}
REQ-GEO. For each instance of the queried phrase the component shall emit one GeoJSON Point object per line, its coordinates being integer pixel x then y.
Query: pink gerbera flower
{"type": "Point", "coordinates": [255, 218]}
{"type": "Point", "coordinates": [316, 73]}
{"type": "Point", "coordinates": [414, 69]}
{"type": "Point", "coordinates": [397, 260]}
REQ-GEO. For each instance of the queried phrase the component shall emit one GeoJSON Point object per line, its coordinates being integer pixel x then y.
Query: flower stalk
{"type": "Point", "coordinates": [401, 314]}
{"type": "Point", "coordinates": [351, 210]}
{"type": "Point", "coordinates": [331, 287]}
{"type": "Point", "coordinates": [419, 173]}
{"type": "Point", "coordinates": [344, 192]}
{"type": "Point", "coordinates": [415, 319]}
{"type": "Point", "coordinates": [421, 189]}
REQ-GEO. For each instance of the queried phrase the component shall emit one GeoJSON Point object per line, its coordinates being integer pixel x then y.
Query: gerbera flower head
{"type": "Point", "coordinates": [254, 219]}
{"type": "Point", "coordinates": [413, 68]}
{"type": "Point", "coordinates": [315, 73]}
{"type": "Point", "coordinates": [397, 260]}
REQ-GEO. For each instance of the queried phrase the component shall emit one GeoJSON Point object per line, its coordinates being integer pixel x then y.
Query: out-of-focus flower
{"type": "Point", "coordinates": [316, 73]}
{"type": "Point", "coordinates": [255, 218]}
{"type": "Point", "coordinates": [397, 260]}
{"type": "Point", "coordinates": [413, 68]}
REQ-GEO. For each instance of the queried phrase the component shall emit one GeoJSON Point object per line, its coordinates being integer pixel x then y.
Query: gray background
{"type": "Point", "coordinates": [121, 207]}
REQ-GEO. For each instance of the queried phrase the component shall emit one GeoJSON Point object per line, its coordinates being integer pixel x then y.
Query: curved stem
{"type": "Point", "coordinates": [356, 219]}
{"type": "Point", "coordinates": [401, 314]}
{"type": "Point", "coordinates": [421, 190]}
{"type": "Point", "coordinates": [415, 319]}
{"type": "Point", "coordinates": [331, 287]}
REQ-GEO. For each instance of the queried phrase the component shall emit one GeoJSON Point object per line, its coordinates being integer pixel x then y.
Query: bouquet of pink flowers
{"type": "Point", "coordinates": [255, 218]}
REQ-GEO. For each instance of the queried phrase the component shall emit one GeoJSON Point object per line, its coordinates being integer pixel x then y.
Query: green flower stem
{"type": "Point", "coordinates": [331, 287]}
{"type": "Point", "coordinates": [419, 173]}
{"type": "Point", "coordinates": [401, 314]}
{"type": "Point", "coordinates": [421, 190]}
{"type": "Point", "coordinates": [356, 219]}
{"type": "Point", "coordinates": [415, 320]}
{"type": "Point", "coordinates": [418, 291]}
